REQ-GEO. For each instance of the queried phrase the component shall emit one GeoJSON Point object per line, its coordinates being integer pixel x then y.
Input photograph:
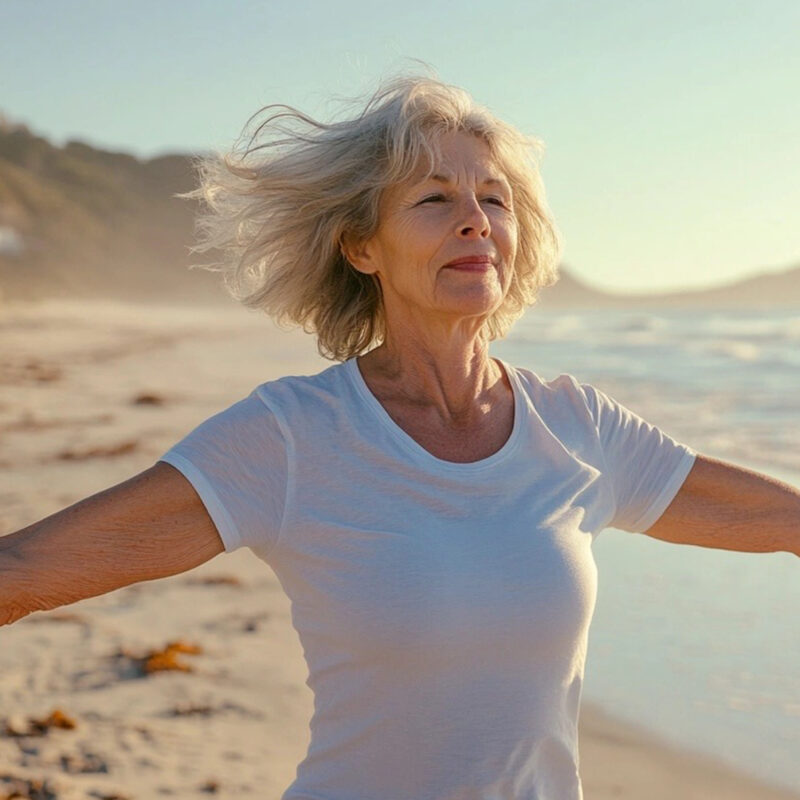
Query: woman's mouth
{"type": "Point", "coordinates": [471, 264]}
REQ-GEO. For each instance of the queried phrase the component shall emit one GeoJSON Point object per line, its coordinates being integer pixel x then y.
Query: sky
{"type": "Point", "coordinates": [671, 128]}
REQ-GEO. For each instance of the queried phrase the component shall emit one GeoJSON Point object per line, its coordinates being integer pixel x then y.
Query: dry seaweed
{"type": "Point", "coordinates": [101, 451]}
{"type": "Point", "coordinates": [148, 399]}
{"type": "Point", "coordinates": [20, 726]}
{"type": "Point", "coordinates": [26, 788]}
{"type": "Point", "coordinates": [165, 659]}
{"type": "Point", "coordinates": [215, 580]}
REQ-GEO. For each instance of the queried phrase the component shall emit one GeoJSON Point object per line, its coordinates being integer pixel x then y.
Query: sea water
{"type": "Point", "coordinates": [701, 646]}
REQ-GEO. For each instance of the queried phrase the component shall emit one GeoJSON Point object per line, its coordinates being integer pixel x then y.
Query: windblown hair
{"type": "Point", "coordinates": [278, 210]}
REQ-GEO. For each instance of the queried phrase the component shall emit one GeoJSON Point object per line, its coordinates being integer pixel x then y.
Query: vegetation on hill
{"type": "Point", "coordinates": [91, 223]}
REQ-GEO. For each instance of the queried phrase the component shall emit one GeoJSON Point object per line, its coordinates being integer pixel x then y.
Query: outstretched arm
{"type": "Point", "coordinates": [150, 526]}
{"type": "Point", "coordinates": [731, 508]}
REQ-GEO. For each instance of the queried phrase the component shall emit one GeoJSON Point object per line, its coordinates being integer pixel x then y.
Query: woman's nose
{"type": "Point", "coordinates": [472, 221]}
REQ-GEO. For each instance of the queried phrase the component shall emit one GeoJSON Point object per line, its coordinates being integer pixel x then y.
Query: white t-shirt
{"type": "Point", "coordinates": [443, 607]}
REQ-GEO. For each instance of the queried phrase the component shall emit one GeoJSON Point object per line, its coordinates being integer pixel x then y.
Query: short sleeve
{"type": "Point", "coordinates": [644, 466]}
{"type": "Point", "coordinates": [237, 463]}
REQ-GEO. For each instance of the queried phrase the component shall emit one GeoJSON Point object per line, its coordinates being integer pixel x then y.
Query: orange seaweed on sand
{"type": "Point", "coordinates": [167, 659]}
{"type": "Point", "coordinates": [58, 719]}
{"type": "Point", "coordinates": [39, 727]}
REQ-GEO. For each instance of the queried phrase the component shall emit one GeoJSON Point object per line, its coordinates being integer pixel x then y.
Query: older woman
{"type": "Point", "coordinates": [428, 509]}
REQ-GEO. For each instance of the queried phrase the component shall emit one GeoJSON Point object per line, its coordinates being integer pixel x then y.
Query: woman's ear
{"type": "Point", "coordinates": [358, 253]}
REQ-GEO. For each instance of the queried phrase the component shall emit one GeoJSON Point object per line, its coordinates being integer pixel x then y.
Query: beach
{"type": "Point", "coordinates": [195, 684]}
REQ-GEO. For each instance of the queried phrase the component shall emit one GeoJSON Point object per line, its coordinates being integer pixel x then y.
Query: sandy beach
{"type": "Point", "coordinates": [90, 394]}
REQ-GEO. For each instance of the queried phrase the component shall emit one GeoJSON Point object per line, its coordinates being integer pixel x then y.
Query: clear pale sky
{"type": "Point", "coordinates": [672, 129]}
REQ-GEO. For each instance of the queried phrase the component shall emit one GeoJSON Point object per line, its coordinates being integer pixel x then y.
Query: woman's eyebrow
{"type": "Point", "coordinates": [490, 181]}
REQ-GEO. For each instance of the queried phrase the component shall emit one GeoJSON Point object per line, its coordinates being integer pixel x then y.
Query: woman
{"type": "Point", "coordinates": [429, 510]}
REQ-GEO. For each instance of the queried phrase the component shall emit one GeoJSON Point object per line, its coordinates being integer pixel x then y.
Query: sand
{"type": "Point", "coordinates": [90, 394]}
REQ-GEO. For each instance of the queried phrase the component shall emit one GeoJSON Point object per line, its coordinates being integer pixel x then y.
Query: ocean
{"type": "Point", "coordinates": [700, 646]}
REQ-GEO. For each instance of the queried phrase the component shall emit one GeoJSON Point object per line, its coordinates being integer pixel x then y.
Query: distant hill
{"type": "Point", "coordinates": [81, 222]}
{"type": "Point", "coordinates": [766, 290]}
{"type": "Point", "coordinates": [570, 292]}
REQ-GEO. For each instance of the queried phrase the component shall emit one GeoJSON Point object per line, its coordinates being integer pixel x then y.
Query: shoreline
{"type": "Point", "coordinates": [622, 759]}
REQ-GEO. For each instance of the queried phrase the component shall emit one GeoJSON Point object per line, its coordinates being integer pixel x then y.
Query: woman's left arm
{"type": "Point", "coordinates": [731, 508]}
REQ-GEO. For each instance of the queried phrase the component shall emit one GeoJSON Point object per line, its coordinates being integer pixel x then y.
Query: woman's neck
{"type": "Point", "coordinates": [454, 375]}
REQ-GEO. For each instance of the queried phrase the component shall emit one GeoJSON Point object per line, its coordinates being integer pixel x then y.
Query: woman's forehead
{"type": "Point", "coordinates": [456, 152]}
{"type": "Point", "coordinates": [450, 164]}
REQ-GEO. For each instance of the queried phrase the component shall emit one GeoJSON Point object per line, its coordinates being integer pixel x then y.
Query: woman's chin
{"type": "Point", "coordinates": [472, 300]}
{"type": "Point", "coordinates": [473, 306]}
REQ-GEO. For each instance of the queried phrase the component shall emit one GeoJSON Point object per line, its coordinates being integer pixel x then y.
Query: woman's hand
{"type": "Point", "coordinates": [150, 526]}
{"type": "Point", "coordinates": [728, 507]}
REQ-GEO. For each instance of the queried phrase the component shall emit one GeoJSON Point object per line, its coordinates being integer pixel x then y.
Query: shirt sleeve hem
{"type": "Point", "coordinates": [223, 521]}
{"type": "Point", "coordinates": [667, 494]}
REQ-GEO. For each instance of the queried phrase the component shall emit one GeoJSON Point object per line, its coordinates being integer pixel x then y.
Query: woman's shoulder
{"type": "Point", "coordinates": [304, 394]}
{"type": "Point", "coordinates": [564, 388]}
{"type": "Point", "coordinates": [564, 405]}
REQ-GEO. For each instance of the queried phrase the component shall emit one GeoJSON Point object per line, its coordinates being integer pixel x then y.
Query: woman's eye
{"type": "Point", "coordinates": [440, 198]}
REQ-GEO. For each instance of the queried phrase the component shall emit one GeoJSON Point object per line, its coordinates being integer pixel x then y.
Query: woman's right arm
{"type": "Point", "coordinates": [151, 526]}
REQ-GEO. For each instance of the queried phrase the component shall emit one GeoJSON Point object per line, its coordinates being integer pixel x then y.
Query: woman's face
{"type": "Point", "coordinates": [445, 245]}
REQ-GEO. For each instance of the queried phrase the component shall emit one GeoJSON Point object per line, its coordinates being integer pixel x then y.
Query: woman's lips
{"type": "Point", "coordinates": [471, 264]}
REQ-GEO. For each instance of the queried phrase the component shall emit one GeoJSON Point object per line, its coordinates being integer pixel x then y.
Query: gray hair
{"type": "Point", "coordinates": [278, 210]}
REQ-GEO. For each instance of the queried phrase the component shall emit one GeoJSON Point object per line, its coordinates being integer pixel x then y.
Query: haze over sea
{"type": "Point", "coordinates": [701, 646]}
